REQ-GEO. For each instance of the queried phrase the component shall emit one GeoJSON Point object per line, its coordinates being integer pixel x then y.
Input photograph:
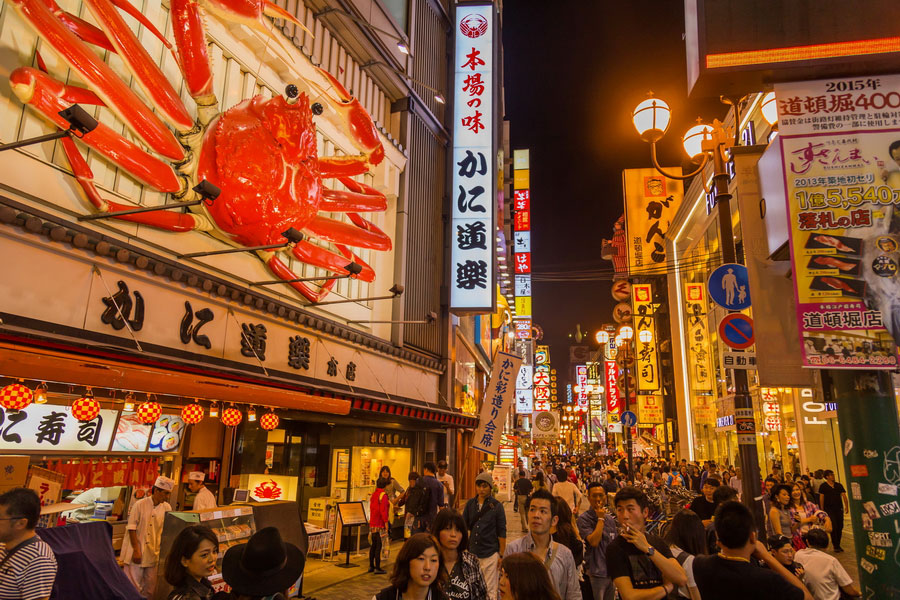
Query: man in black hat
{"type": "Point", "coordinates": [264, 566]}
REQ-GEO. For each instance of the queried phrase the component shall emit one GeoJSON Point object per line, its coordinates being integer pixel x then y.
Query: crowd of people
{"type": "Point", "coordinates": [625, 541]}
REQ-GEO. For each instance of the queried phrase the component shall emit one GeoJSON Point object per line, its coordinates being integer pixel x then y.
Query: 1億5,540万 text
{"type": "Point", "coordinates": [847, 197]}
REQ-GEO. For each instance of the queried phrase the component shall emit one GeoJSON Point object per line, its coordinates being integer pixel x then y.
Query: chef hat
{"type": "Point", "coordinates": [197, 476]}
{"type": "Point", "coordinates": [164, 483]}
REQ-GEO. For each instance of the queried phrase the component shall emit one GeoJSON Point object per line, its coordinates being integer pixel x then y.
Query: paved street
{"type": "Point", "coordinates": [327, 581]}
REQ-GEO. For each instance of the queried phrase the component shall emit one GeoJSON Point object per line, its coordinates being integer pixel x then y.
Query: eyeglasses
{"type": "Point", "coordinates": [12, 518]}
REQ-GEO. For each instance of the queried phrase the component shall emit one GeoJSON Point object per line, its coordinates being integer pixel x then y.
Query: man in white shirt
{"type": "Point", "coordinates": [825, 576]}
{"type": "Point", "coordinates": [204, 499]}
{"type": "Point", "coordinates": [568, 491]}
{"type": "Point", "coordinates": [140, 548]}
{"type": "Point", "coordinates": [446, 480]}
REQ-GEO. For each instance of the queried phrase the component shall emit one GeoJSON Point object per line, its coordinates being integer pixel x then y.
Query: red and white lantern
{"type": "Point", "coordinates": [15, 396]}
{"type": "Point", "coordinates": [192, 414]}
{"type": "Point", "coordinates": [269, 421]}
{"type": "Point", "coordinates": [149, 412]}
{"type": "Point", "coordinates": [231, 417]}
{"type": "Point", "coordinates": [86, 408]}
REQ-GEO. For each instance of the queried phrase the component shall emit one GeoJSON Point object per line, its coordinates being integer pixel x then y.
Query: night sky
{"type": "Point", "coordinates": [574, 70]}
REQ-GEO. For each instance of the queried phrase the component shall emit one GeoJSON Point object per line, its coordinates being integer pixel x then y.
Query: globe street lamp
{"type": "Point", "coordinates": [706, 144]}
{"type": "Point", "coordinates": [602, 337]}
{"type": "Point", "coordinates": [646, 336]}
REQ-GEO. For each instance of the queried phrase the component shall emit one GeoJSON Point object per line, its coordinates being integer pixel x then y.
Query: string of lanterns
{"type": "Point", "coordinates": [18, 396]}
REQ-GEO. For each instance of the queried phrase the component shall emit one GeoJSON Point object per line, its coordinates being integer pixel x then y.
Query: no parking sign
{"type": "Point", "coordinates": [736, 331]}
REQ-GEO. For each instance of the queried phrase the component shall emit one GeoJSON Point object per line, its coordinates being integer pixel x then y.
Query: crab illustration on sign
{"type": "Point", "coordinates": [267, 490]}
{"type": "Point", "coordinates": [260, 153]}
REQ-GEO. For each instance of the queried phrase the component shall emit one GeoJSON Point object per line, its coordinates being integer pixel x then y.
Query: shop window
{"type": "Point", "coordinates": [399, 9]}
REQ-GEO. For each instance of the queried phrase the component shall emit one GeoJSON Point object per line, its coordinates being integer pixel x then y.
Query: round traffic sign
{"type": "Point", "coordinates": [729, 286]}
{"type": "Point", "coordinates": [736, 331]}
{"type": "Point", "coordinates": [628, 418]}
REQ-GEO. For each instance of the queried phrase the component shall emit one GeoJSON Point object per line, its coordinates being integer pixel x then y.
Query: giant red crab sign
{"type": "Point", "coordinates": [261, 153]}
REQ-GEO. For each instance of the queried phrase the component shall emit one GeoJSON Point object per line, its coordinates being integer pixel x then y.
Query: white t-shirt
{"type": "Point", "coordinates": [569, 492]}
{"type": "Point", "coordinates": [447, 479]}
{"type": "Point", "coordinates": [204, 499]}
{"type": "Point", "coordinates": [146, 521]}
{"type": "Point", "coordinates": [688, 566]}
{"type": "Point", "coordinates": [824, 574]}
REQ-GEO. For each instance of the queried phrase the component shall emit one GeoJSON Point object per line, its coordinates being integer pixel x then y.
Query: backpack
{"type": "Point", "coordinates": [418, 501]}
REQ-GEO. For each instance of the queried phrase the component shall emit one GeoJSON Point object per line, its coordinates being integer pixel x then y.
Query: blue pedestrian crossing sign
{"type": "Point", "coordinates": [729, 286]}
{"type": "Point", "coordinates": [628, 419]}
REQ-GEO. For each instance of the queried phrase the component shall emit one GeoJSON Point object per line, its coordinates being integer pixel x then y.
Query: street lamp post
{"type": "Point", "coordinates": [705, 143]}
{"type": "Point", "coordinates": [627, 334]}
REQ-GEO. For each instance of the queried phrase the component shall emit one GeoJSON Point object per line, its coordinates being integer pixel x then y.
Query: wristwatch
{"type": "Point", "coordinates": [650, 551]}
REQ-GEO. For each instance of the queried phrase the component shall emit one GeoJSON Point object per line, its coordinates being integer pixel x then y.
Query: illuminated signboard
{"type": "Point", "coordinates": [646, 355]}
{"type": "Point", "coordinates": [733, 48]}
{"type": "Point", "coordinates": [613, 402]}
{"type": "Point", "coordinates": [472, 286]}
{"type": "Point", "coordinates": [581, 378]}
{"type": "Point", "coordinates": [523, 328]}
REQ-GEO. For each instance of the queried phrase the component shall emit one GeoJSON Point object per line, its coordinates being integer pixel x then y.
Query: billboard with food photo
{"type": "Point", "coordinates": [840, 141]}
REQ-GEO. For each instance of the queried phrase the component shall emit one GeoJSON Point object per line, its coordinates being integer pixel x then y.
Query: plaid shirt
{"type": "Point", "coordinates": [468, 570]}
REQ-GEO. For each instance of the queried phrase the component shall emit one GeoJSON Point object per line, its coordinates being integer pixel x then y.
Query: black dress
{"type": "Point", "coordinates": [192, 589]}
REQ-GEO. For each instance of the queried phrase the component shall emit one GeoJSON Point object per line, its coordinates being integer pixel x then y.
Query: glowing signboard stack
{"type": "Point", "coordinates": [544, 380]}
{"type": "Point", "coordinates": [472, 280]}
{"type": "Point", "coordinates": [521, 214]}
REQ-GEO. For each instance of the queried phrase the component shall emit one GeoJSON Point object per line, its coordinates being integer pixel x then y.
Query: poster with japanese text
{"type": "Point", "coordinates": [497, 397]}
{"type": "Point", "coordinates": [700, 370]}
{"type": "Point", "coordinates": [472, 285]}
{"type": "Point", "coordinates": [613, 402]}
{"type": "Point", "coordinates": [651, 202]}
{"type": "Point", "coordinates": [840, 140]}
{"type": "Point", "coordinates": [646, 353]}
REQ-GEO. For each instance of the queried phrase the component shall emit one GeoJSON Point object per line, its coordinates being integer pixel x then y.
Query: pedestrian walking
{"type": "Point", "coordinates": [524, 577]}
{"type": "Point", "coordinates": [485, 519]}
{"type": "Point", "coordinates": [780, 521]}
{"type": "Point", "coordinates": [446, 480]}
{"type": "Point", "coordinates": [522, 488]}
{"type": "Point", "coordinates": [408, 519]}
{"type": "Point", "coordinates": [418, 572]}
{"type": "Point", "coordinates": [379, 520]}
{"type": "Point", "coordinates": [27, 564]}
{"type": "Point", "coordinates": [730, 572]}
{"type": "Point", "coordinates": [433, 493]}
{"type": "Point", "coordinates": [566, 532]}
{"type": "Point", "coordinates": [686, 538]}
{"type": "Point", "coordinates": [833, 500]}
{"type": "Point", "coordinates": [637, 560]}
{"type": "Point", "coordinates": [826, 578]}
{"type": "Point", "coordinates": [568, 491]}
{"type": "Point", "coordinates": [542, 517]}
{"type": "Point", "coordinates": [394, 492]}
{"type": "Point", "coordinates": [191, 560]}
{"type": "Point", "coordinates": [465, 581]}
{"type": "Point", "coordinates": [597, 528]}
{"type": "Point", "coordinates": [264, 567]}
{"type": "Point", "coordinates": [203, 499]}
{"type": "Point", "coordinates": [143, 534]}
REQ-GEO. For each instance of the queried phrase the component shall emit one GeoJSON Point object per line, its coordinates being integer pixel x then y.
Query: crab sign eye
{"type": "Point", "coordinates": [291, 93]}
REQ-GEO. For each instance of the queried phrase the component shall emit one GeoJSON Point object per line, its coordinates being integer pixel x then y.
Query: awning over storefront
{"type": "Point", "coordinates": [426, 413]}
{"type": "Point", "coordinates": [45, 364]}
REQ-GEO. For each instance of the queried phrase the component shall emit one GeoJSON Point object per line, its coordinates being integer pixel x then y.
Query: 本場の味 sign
{"type": "Point", "coordinates": [472, 286]}
{"type": "Point", "coordinates": [842, 183]}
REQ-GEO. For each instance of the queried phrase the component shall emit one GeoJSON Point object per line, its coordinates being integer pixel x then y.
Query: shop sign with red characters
{"type": "Point", "coordinates": [472, 286]}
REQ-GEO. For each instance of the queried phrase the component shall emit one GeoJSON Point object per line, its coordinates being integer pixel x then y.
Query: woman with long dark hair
{"type": "Point", "coordinates": [805, 515]}
{"type": "Point", "coordinates": [686, 539]}
{"type": "Point", "coordinates": [566, 531]}
{"type": "Point", "coordinates": [191, 560]}
{"type": "Point", "coordinates": [465, 581]}
{"type": "Point", "coordinates": [780, 521]}
{"type": "Point", "coordinates": [418, 573]}
{"type": "Point", "coordinates": [524, 577]}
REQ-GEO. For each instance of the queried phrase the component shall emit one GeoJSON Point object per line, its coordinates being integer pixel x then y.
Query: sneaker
{"type": "Point", "coordinates": [371, 569]}
{"type": "Point", "coordinates": [836, 550]}
{"type": "Point", "coordinates": [380, 572]}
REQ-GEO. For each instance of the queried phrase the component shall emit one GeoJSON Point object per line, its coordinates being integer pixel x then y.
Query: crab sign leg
{"type": "Point", "coordinates": [360, 198]}
{"type": "Point", "coordinates": [363, 134]}
{"type": "Point", "coordinates": [101, 78]}
{"type": "Point", "coordinates": [190, 39]}
{"type": "Point", "coordinates": [345, 233]}
{"type": "Point", "coordinates": [50, 96]}
{"type": "Point", "coordinates": [84, 30]}
{"type": "Point", "coordinates": [282, 271]}
{"type": "Point", "coordinates": [139, 62]}
{"type": "Point", "coordinates": [326, 259]}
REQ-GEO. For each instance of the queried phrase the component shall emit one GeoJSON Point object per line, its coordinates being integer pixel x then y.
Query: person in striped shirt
{"type": "Point", "coordinates": [27, 564]}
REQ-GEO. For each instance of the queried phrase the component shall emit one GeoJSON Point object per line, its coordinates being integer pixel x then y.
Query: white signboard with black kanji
{"type": "Point", "coordinates": [472, 281]}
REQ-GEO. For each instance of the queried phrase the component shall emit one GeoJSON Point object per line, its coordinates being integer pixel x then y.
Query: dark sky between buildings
{"type": "Point", "coordinates": [574, 70]}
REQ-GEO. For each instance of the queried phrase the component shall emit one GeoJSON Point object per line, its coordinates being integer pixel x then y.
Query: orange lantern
{"type": "Point", "coordinates": [86, 408]}
{"type": "Point", "coordinates": [15, 397]}
{"type": "Point", "coordinates": [149, 412]}
{"type": "Point", "coordinates": [192, 413]}
{"type": "Point", "coordinates": [231, 417]}
{"type": "Point", "coordinates": [269, 421]}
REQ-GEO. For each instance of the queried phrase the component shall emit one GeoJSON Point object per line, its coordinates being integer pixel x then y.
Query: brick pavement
{"type": "Point", "coordinates": [325, 581]}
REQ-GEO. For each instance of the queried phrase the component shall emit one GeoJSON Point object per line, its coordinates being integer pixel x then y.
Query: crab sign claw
{"type": "Point", "coordinates": [363, 134]}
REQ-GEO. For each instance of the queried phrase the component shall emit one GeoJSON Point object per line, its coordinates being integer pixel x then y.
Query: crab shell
{"type": "Point", "coordinates": [262, 155]}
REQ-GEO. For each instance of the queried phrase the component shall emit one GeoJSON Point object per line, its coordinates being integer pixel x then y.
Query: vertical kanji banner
{"type": "Point", "coordinates": [651, 201]}
{"type": "Point", "coordinates": [840, 143]}
{"type": "Point", "coordinates": [698, 346]}
{"type": "Point", "coordinates": [472, 281]}
{"type": "Point", "coordinates": [497, 399]}
{"type": "Point", "coordinates": [646, 354]}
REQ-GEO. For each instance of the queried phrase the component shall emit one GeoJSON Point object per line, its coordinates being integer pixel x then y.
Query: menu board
{"type": "Point", "coordinates": [352, 513]}
{"type": "Point", "coordinates": [840, 140]}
